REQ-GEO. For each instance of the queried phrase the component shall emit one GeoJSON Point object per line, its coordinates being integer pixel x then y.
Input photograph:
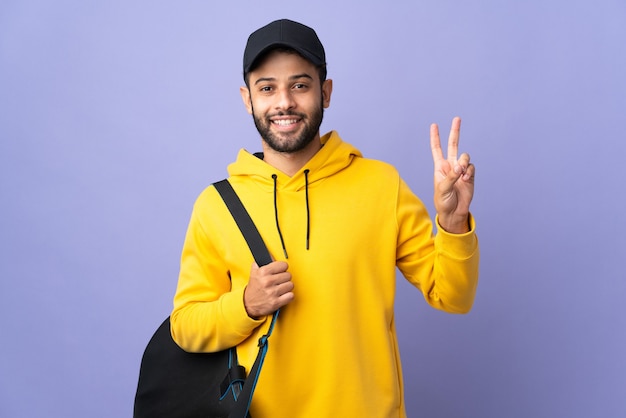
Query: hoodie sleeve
{"type": "Point", "coordinates": [444, 267]}
{"type": "Point", "coordinates": [209, 314]}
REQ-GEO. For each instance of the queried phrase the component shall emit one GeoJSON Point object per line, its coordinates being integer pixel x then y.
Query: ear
{"type": "Point", "coordinates": [245, 96]}
{"type": "Point", "coordinates": [327, 90]}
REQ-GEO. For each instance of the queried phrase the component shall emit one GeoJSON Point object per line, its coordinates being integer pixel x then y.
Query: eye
{"type": "Point", "coordinates": [300, 86]}
{"type": "Point", "coordinates": [265, 89]}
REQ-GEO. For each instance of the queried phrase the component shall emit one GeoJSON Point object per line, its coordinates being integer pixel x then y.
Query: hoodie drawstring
{"type": "Point", "coordinates": [308, 212]}
{"type": "Point", "coordinates": [308, 215]}
{"type": "Point", "coordinates": [280, 234]}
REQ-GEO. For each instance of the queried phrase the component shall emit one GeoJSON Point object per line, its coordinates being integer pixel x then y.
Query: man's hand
{"type": "Point", "coordinates": [270, 287]}
{"type": "Point", "coordinates": [454, 181]}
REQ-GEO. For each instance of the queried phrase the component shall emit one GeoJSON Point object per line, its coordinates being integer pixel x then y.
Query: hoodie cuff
{"type": "Point", "coordinates": [235, 311]}
{"type": "Point", "coordinates": [457, 245]}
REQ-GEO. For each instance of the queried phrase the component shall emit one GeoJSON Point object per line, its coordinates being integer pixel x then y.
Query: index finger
{"type": "Point", "coordinates": [275, 267]}
{"type": "Point", "coordinates": [435, 143]}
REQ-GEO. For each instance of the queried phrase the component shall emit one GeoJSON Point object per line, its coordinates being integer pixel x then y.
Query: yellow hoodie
{"type": "Point", "coordinates": [334, 351]}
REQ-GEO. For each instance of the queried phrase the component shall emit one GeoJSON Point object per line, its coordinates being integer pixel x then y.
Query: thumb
{"type": "Point", "coordinates": [451, 177]}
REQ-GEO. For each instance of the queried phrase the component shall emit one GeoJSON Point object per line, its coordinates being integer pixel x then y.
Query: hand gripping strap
{"type": "Point", "coordinates": [262, 257]}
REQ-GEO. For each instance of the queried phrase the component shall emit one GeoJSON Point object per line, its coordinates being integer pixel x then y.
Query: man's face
{"type": "Point", "coordinates": [287, 101]}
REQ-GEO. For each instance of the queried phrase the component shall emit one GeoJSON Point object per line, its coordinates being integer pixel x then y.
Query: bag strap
{"type": "Point", "coordinates": [262, 257]}
{"type": "Point", "coordinates": [244, 222]}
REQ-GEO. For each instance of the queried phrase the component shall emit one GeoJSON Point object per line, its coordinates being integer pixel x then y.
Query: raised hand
{"type": "Point", "coordinates": [454, 181]}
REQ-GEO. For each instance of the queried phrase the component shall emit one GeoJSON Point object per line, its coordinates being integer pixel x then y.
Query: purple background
{"type": "Point", "coordinates": [114, 115]}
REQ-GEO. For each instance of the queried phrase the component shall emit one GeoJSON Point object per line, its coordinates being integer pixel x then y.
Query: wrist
{"type": "Point", "coordinates": [454, 224]}
{"type": "Point", "coordinates": [249, 310]}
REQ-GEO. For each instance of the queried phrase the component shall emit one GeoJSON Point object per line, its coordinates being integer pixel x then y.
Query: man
{"type": "Point", "coordinates": [337, 225]}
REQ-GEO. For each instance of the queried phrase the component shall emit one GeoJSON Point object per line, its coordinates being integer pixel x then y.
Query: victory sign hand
{"type": "Point", "coordinates": [454, 181]}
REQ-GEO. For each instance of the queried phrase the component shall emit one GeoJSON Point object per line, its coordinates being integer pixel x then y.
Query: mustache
{"type": "Point", "coordinates": [287, 113]}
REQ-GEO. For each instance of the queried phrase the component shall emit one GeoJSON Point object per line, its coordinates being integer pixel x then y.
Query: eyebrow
{"type": "Point", "coordinates": [291, 78]}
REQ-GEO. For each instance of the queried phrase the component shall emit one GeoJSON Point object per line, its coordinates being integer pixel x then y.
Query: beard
{"type": "Point", "coordinates": [291, 143]}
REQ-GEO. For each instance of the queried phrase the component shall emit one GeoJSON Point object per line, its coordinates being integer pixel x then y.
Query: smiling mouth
{"type": "Point", "coordinates": [285, 122]}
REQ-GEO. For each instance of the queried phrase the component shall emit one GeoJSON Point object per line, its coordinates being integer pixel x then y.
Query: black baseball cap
{"type": "Point", "coordinates": [286, 33]}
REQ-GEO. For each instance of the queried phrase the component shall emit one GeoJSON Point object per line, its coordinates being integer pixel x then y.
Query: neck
{"type": "Point", "coordinates": [290, 162]}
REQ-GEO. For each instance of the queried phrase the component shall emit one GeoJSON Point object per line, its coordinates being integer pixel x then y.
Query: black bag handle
{"type": "Point", "coordinates": [244, 222]}
{"type": "Point", "coordinates": [262, 257]}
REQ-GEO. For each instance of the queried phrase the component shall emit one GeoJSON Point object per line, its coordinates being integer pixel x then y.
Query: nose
{"type": "Point", "coordinates": [285, 100]}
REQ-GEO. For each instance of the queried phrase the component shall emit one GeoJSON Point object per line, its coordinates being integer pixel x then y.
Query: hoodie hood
{"type": "Point", "coordinates": [334, 156]}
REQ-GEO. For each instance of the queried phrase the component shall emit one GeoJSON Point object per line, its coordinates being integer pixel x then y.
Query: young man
{"type": "Point", "coordinates": [337, 225]}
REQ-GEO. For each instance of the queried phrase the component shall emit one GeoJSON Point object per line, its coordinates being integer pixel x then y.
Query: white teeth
{"type": "Point", "coordinates": [284, 122]}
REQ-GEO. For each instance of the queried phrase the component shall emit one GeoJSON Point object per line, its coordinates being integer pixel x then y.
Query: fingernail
{"type": "Point", "coordinates": [458, 169]}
